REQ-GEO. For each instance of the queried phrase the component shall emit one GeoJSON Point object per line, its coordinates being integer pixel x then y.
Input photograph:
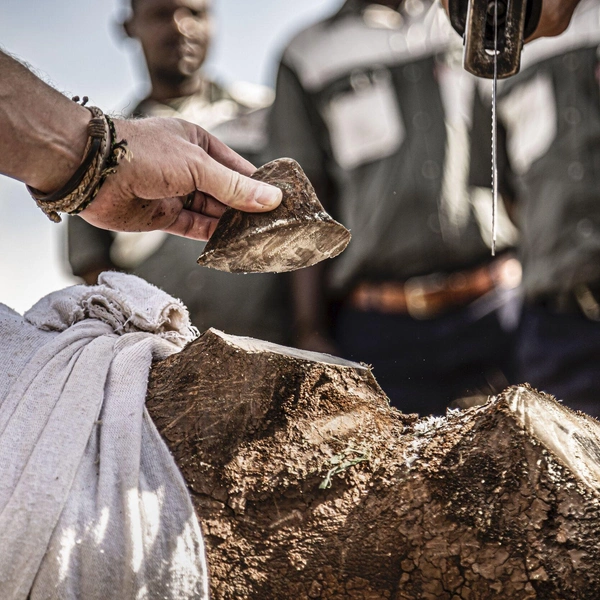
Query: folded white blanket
{"type": "Point", "coordinates": [92, 505]}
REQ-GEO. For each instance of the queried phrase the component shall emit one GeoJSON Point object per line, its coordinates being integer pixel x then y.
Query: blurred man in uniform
{"type": "Point", "coordinates": [175, 36]}
{"type": "Point", "coordinates": [374, 104]}
{"type": "Point", "coordinates": [550, 174]}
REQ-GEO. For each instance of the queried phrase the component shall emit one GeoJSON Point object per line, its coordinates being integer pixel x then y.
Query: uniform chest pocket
{"type": "Point", "coordinates": [364, 121]}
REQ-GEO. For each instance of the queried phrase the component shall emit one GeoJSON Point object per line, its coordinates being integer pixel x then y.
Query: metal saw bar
{"type": "Point", "coordinates": [474, 20]}
{"type": "Point", "coordinates": [495, 133]}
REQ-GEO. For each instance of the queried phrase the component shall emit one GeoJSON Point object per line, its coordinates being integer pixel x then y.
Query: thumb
{"type": "Point", "coordinates": [237, 190]}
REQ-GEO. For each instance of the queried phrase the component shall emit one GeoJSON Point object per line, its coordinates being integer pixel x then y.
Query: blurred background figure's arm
{"type": "Point", "coordinates": [556, 16]}
{"type": "Point", "coordinates": [88, 250]}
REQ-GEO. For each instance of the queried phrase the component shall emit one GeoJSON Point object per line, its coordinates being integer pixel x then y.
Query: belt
{"type": "Point", "coordinates": [431, 295]}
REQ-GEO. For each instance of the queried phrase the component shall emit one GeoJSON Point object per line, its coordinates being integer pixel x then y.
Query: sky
{"type": "Point", "coordinates": [76, 46]}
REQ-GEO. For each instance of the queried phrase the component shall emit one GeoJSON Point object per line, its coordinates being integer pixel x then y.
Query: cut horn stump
{"type": "Point", "coordinates": [298, 233]}
{"type": "Point", "coordinates": [309, 485]}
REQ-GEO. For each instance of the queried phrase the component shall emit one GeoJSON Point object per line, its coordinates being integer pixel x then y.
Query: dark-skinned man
{"type": "Point", "coordinates": [175, 36]}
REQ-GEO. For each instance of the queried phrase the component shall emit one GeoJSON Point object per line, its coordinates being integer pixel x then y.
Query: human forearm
{"type": "Point", "coordinates": [556, 16]}
{"type": "Point", "coordinates": [177, 177]}
{"type": "Point", "coordinates": [43, 132]}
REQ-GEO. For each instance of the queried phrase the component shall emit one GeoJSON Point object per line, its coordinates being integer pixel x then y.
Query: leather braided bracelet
{"type": "Point", "coordinates": [101, 158]}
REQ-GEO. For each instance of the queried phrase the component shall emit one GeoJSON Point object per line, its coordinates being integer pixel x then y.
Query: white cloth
{"type": "Point", "coordinates": [92, 505]}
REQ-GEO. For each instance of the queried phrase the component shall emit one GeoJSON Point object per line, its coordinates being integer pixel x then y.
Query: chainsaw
{"type": "Point", "coordinates": [493, 33]}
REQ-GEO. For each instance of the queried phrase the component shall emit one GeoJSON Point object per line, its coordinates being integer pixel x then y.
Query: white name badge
{"type": "Point", "coordinates": [365, 123]}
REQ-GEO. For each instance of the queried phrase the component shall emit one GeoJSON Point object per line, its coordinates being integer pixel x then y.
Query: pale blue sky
{"type": "Point", "coordinates": [75, 45]}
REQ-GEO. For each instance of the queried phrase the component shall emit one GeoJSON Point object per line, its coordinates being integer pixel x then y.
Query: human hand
{"type": "Point", "coordinates": [171, 158]}
{"type": "Point", "coordinates": [555, 18]}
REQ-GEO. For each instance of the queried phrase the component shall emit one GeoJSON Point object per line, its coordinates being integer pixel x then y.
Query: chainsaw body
{"type": "Point", "coordinates": [478, 21]}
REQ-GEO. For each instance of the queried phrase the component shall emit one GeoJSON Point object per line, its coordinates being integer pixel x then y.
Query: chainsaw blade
{"type": "Point", "coordinates": [495, 132]}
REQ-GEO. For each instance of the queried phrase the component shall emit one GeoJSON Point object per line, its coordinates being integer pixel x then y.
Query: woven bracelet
{"type": "Point", "coordinates": [101, 158]}
{"type": "Point", "coordinates": [117, 150]}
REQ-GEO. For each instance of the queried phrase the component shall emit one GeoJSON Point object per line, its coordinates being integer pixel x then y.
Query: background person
{"type": "Point", "coordinates": [373, 102]}
{"type": "Point", "coordinates": [175, 36]}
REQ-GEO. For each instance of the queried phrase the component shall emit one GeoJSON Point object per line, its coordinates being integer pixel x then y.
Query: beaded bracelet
{"type": "Point", "coordinates": [101, 158]}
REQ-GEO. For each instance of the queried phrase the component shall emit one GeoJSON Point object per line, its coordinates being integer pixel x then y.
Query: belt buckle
{"type": "Point", "coordinates": [419, 293]}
